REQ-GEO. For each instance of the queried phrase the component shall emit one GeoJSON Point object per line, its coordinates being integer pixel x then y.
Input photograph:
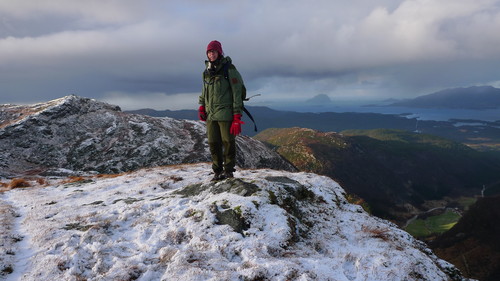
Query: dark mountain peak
{"type": "Point", "coordinates": [319, 99]}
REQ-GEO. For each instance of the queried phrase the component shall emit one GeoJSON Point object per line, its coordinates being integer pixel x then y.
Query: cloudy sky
{"type": "Point", "coordinates": [150, 53]}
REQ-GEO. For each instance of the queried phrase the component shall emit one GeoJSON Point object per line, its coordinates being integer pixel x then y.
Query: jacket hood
{"type": "Point", "coordinates": [223, 60]}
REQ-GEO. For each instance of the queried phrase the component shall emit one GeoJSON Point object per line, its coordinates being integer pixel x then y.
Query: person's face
{"type": "Point", "coordinates": [212, 55]}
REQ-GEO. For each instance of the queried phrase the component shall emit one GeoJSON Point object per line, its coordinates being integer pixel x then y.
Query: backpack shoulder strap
{"type": "Point", "coordinates": [225, 69]}
{"type": "Point", "coordinates": [251, 118]}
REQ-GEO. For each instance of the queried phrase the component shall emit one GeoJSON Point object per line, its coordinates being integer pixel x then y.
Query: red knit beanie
{"type": "Point", "coordinates": [215, 45]}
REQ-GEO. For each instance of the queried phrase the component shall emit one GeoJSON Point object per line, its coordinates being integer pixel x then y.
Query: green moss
{"type": "Point", "coordinates": [272, 197]}
{"type": "Point", "coordinates": [238, 211]}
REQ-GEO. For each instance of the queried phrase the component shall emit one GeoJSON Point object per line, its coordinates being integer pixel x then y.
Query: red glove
{"type": "Point", "coordinates": [236, 125]}
{"type": "Point", "coordinates": [202, 114]}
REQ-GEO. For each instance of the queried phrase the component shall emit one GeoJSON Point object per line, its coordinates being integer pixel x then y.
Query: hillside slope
{"type": "Point", "coordinates": [396, 172]}
{"type": "Point", "coordinates": [172, 223]}
{"type": "Point", "coordinates": [472, 244]}
{"type": "Point", "coordinates": [82, 134]}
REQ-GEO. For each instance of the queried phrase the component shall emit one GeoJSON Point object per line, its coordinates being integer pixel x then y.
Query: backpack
{"type": "Point", "coordinates": [243, 94]}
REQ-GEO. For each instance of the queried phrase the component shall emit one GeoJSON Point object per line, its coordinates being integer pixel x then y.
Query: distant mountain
{"type": "Point", "coordinates": [395, 172]}
{"type": "Point", "coordinates": [473, 243]}
{"type": "Point", "coordinates": [82, 134]}
{"type": "Point", "coordinates": [477, 97]}
{"type": "Point", "coordinates": [321, 99]}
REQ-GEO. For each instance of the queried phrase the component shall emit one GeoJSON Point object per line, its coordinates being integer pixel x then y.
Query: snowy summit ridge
{"type": "Point", "coordinates": [159, 222]}
{"type": "Point", "coordinates": [172, 223]}
{"type": "Point", "coordinates": [83, 134]}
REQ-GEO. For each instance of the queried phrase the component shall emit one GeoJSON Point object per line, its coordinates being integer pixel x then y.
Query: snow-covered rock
{"type": "Point", "coordinates": [172, 223]}
{"type": "Point", "coordinates": [83, 134]}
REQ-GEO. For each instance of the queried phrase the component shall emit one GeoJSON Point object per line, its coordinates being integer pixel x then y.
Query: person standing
{"type": "Point", "coordinates": [221, 106]}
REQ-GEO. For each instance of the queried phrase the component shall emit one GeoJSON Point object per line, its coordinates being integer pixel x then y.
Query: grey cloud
{"type": "Point", "coordinates": [295, 48]}
{"type": "Point", "coordinates": [86, 12]}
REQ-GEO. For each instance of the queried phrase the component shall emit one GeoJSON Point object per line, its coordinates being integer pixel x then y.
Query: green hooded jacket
{"type": "Point", "coordinates": [222, 97]}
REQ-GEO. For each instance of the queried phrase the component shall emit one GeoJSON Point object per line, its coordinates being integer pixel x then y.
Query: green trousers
{"type": "Point", "coordinates": [222, 146]}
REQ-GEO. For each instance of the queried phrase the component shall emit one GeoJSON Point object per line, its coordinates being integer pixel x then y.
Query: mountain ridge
{"type": "Point", "coordinates": [82, 134]}
{"type": "Point", "coordinates": [475, 97]}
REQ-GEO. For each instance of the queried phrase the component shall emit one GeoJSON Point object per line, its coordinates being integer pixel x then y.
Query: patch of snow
{"type": "Point", "coordinates": [20, 258]}
{"type": "Point", "coordinates": [166, 223]}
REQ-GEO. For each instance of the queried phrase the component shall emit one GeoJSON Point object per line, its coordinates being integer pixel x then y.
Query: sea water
{"type": "Point", "coordinates": [437, 114]}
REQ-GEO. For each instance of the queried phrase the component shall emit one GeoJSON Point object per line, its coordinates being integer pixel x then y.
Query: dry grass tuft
{"type": "Point", "coordinates": [72, 179]}
{"type": "Point", "coordinates": [4, 187]}
{"type": "Point", "coordinates": [22, 182]}
{"type": "Point", "coordinates": [18, 183]}
{"type": "Point", "coordinates": [176, 178]}
{"type": "Point", "coordinates": [381, 233]}
{"type": "Point", "coordinates": [41, 181]}
{"type": "Point", "coordinates": [108, 176]}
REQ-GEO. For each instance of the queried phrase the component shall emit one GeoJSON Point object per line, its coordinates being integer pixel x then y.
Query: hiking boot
{"type": "Point", "coordinates": [228, 175]}
{"type": "Point", "coordinates": [218, 176]}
